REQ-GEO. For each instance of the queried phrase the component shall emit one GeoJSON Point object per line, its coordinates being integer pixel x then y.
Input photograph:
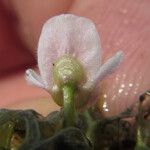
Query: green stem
{"type": "Point", "coordinates": [139, 137]}
{"type": "Point", "coordinates": [140, 143]}
{"type": "Point", "coordinates": [91, 125]}
{"type": "Point", "coordinates": [69, 105]}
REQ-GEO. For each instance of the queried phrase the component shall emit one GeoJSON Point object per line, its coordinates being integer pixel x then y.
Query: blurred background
{"type": "Point", "coordinates": [122, 24]}
{"type": "Point", "coordinates": [20, 26]}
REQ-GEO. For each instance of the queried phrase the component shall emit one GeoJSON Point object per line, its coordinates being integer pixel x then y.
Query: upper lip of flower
{"type": "Point", "coordinates": [78, 37]}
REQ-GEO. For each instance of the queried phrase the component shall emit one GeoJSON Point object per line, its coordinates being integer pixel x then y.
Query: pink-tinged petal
{"type": "Point", "coordinates": [34, 79]}
{"type": "Point", "coordinates": [68, 34]}
{"type": "Point", "coordinates": [93, 86]}
{"type": "Point", "coordinates": [110, 65]}
{"type": "Point", "coordinates": [105, 69]}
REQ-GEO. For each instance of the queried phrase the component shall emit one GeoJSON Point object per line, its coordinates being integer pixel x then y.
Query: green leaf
{"type": "Point", "coordinates": [6, 131]}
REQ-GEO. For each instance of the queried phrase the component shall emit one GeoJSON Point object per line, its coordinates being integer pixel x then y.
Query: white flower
{"type": "Point", "coordinates": [70, 35]}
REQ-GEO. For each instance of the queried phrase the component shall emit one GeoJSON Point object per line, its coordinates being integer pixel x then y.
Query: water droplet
{"type": "Point", "coordinates": [130, 84]}
{"type": "Point", "coordinates": [122, 85]}
{"type": "Point", "coordinates": [117, 78]}
{"type": "Point", "coordinates": [120, 91]}
{"type": "Point", "coordinates": [106, 109]}
{"type": "Point", "coordinates": [104, 105]}
{"type": "Point", "coordinates": [105, 96]}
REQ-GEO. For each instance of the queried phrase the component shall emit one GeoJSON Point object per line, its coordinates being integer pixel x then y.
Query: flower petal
{"type": "Point", "coordinates": [72, 35]}
{"type": "Point", "coordinates": [106, 69]}
{"type": "Point", "coordinates": [33, 79]}
{"type": "Point", "coordinates": [109, 66]}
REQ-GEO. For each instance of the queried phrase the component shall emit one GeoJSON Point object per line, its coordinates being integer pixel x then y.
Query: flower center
{"type": "Point", "coordinates": [67, 70]}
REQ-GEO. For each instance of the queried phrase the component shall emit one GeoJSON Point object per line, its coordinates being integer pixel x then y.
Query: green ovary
{"type": "Point", "coordinates": [67, 70]}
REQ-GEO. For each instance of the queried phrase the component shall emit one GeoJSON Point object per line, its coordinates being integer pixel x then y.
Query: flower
{"type": "Point", "coordinates": [75, 40]}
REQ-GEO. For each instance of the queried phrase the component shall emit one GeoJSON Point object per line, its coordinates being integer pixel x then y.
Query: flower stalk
{"type": "Point", "coordinates": [69, 105]}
